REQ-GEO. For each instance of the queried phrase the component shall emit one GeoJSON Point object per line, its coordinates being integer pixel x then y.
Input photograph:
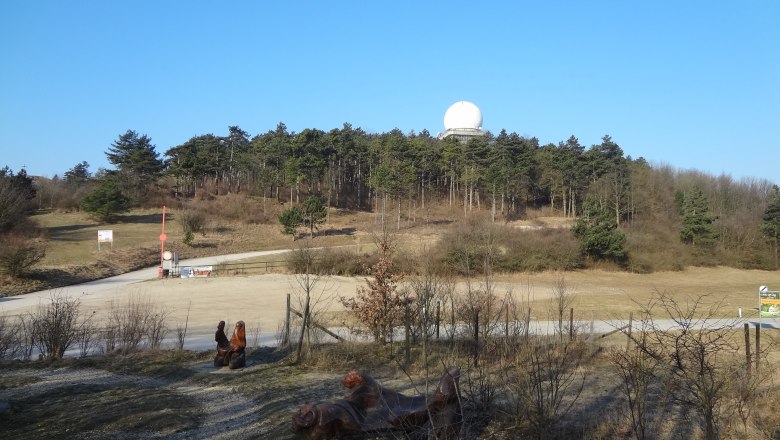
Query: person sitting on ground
{"type": "Point", "coordinates": [237, 355]}
{"type": "Point", "coordinates": [223, 345]}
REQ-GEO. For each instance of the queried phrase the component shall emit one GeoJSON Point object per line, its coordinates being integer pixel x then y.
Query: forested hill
{"type": "Point", "coordinates": [627, 211]}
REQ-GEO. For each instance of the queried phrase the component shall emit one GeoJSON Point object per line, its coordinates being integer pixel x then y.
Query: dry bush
{"type": "Point", "coordinates": [8, 338]}
{"type": "Point", "coordinates": [181, 329]}
{"type": "Point", "coordinates": [134, 325]}
{"type": "Point", "coordinates": [193, 220]}
{"type": "Point", "coordinates": [512, 249]}
{"type": "Point", "coordinates": [18, 254]}
{"type": "Point", "coordinates": [334, 261]}
{"type": "Point", "coordinates": [26, 337]}
{"type": "Point", "coordinates": [534, 251]}
{"type": "Point", "coordinates": [655, 246]}
{"type": "Point", "coordinates": [236, 207]}
{"type": "Point", "coordinates": [697, 358]}
{"type": "Point", "coordinates": [430, 293]}
{"type": "Point", "coordinates": [637, 372]}
{"type": "Point", "coordinates": [543, 383]}
{"type": "Point", "coordinates": [55, 325]}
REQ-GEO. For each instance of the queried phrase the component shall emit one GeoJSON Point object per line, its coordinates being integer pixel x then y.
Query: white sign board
{"type": "Point", "coordinates": [195, 271]}
{"type": "Point", "coordinates": [105, 235]}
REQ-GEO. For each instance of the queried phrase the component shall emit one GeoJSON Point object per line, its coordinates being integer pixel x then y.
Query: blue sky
{"type": "Point", "coordinates": [693, 84]}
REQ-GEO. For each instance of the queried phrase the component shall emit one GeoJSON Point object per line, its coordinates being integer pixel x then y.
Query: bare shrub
{"type": "Point", "coordinates": [8, 338]}
{"type": "Point", "coordinates": [18, 254]}
{"type": "Point", "coordinates": [238, 207]}
{"type": "Point", "coordinates": [637, 372]}
{"type": "Point", "coordinates": [87, 339]}
{"type": "Point", "coordinates": [429, 291]}
{"type": "Point", "coordinates": [55, 325]}
{"type": "Point", "coordinates": [192, 222]}
{"type": "Point", "coordinates": [255, 332]}
{"type": "Point", "coordinates": [181, 329]}
{"type": "Point", "coordinates": [336, 261]}
{"type": "Point", "coordinates": [539, 250]}
{"type": "Point", "coordinates": [544, 384]}
{"type": "Point", "coordinates": [26, 337]}
{"type": "Point", "coordinates": [563, 299]}
{"type": "Point", "coordinates": [137, 321]}
{"type": "Point", "coordinates": [697, 356]}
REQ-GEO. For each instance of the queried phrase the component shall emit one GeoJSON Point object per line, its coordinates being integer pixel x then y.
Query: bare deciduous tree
{"type": "Point", "coordinates": [309, 292]}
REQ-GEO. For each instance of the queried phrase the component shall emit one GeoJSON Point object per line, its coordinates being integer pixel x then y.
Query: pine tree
{"type": "Point", "coordinates": [697, 222]}
{"type": "Point", "coordinates": [600, 237]}
{"type": "Point", "coordinates": [771, 221]}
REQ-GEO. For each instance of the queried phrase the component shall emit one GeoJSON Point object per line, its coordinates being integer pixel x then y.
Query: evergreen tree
{"type": "Point", "coordinates": [78, 175]}
{"type": "Point", "coordinates": [106, 201]}
{"type": "Point", "coordinates": [136, 155]}
{"type": "Point", "coordinates": [137, 162]}
{"type": "Point", "coordinates": [697, 222]}
{"type": "Point", "coordinates": [771, 221]}
{"type": "Point", "coordinates": [291, 219]}
{"type": "Point", "coordinates": [17, 195]}
{"type": "Point", "coordinates": [599, 235]}
{"type": "Point", "coordinates": [313, 213]}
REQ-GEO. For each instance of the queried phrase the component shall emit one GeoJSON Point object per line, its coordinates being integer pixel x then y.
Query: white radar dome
{"type": "Point", "coordinates": [463, 114]}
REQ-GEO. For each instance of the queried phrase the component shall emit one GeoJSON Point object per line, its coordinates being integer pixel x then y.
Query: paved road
{"type": "Point", "coordinates": [9, 304]}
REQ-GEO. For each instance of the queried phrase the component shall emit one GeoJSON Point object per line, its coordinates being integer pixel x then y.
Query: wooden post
{"type": "Point", "coordinates": [747, 348]}
{"type": "Point", "coordinates": [476, 338]}
{"type": "Point", "coordinates": [628, 330]}
{"type": "Point", "coordinates": [592, 325]}
{"type": "Point", "coordinates": [758, 344]}
{"type": "Point", "coordinates": [571, 324]}
{"type": "Point", "coordinates": [286, 339]}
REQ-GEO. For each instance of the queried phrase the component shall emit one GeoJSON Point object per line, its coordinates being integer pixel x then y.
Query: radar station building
{"type": "Point", "coordinates": [462, 121]}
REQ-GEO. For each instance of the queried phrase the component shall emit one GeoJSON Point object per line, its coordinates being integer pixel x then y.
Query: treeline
{"type": "Point", "coordinates": [624, 206]}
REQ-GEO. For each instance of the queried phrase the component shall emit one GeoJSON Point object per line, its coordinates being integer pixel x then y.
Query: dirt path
{"type": "Point", "coordinates": [226, 412]}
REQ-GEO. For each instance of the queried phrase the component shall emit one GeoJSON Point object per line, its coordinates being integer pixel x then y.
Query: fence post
{"type": "Point", "coordinates": [628, 331]}
{"type": "Point", "coordinates": [758, 344]}
{"type": "Point", "coordinates": [286, 339]}
{"type": "Point", "coordinates": [571, 324]}
{"type": "Point", "coordinates": [527, 324]}
{"type": "Point", "coordinates": [747, 348]}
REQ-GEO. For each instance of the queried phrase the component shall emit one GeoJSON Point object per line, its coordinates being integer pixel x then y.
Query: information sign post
{"type": "Point", "coordinates": [106, 236]}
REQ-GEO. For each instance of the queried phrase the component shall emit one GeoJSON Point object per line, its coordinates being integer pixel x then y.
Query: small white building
{"type": "Point", "coordinates": [463, 120]}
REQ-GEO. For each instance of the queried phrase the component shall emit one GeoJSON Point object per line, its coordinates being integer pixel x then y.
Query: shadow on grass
{"type": "Point", "coordinates": [341, 231]}
{"type": "Point", "coordinates": [99, 411]}
{"type": "Point", "coordinates": [66, 233]}
{"type": "Point", "coordinates": [145, 218]}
